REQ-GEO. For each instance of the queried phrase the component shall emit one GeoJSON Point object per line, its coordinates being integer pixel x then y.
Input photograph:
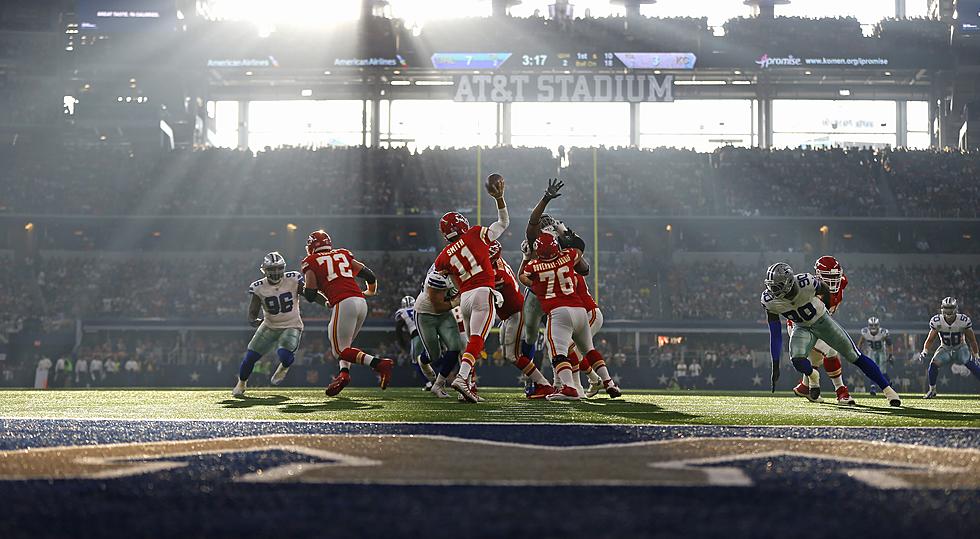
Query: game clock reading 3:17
{"type": "Point", "coordinates": [562, 60]}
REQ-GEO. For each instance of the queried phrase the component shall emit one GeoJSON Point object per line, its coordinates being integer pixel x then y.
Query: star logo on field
{"type": "Point", "coordinates": [195, 377]}
{"type": "Point", "coordinates": [710, 380]}
{"type": "Point", "coordinates": [662, 380]}
{"type": "Point", "coordinates": [757, 380]}
{"type": "Point", "coordinates": [616, 379]}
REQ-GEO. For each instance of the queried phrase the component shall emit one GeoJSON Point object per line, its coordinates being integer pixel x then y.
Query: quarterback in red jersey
{"type": "Point", "coordinates": [832, 274]}
{"type": "Point", "coordinates": [466, 259]}
{"type": "Point", "coordinates": [551, 276]}
{"type": "Point", "coordinates": [333, 272]}
{"type": "Point", "coordinates": [511, 314]}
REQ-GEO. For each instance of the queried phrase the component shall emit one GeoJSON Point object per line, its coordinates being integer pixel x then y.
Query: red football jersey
{"type": "Point", "coordinates": [335, 274]}
{"type": "Point", "coordinates": [554, 281]}
{"type": "Point", "coordinates": [468, 260]}
{"type": "Point", "coordinates": [583, 293]}
{"type": "Point", "coordinates": [503, 275]}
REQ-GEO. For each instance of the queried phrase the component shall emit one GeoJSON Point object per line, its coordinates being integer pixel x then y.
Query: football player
{"type": "Point", "coordinates": [598, 374]}
{"type": "Point", "coordinates": [408, 335]}
{"type": "Point", "coordinates": [438, 329]}
{"type": "Point", "coordinates": [334, 272]}
{"type": "Point", "coordinates": [538, 222]}
{"type": "Point", "coordinates": [552, 278]}
{"type": "Point", "coordinates": [832, 274]}
{"type": "Point", "coordinates": [511, 314]}
{"type": "Point", "coordinates": [803, 298]}
{"type": "Point", "coordinates": [879, 346]}
{"type": "Point", "coordinates": [958, 342]}
{"type": "Point", "coordinates": [277, 293]}
{"type": "Point", "coordinates": [466, 258]}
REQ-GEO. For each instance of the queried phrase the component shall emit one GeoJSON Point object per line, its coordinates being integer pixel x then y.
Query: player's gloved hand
{"type": "Point", "coordinates": [554, 185]}
{"type": "Point", "coordinates": [775, 376]}
{"type": "Point", "coordinates": [256, 322]}
{"type": "Point", "coordinates": [526, 250]}
{"type": "Point", "coordinates": [921, 357]}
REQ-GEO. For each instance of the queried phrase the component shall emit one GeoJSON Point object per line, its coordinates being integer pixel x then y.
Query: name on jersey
{"type": "Point", "coordinates": [455, 247]}
{"type": "Point", "coordinates": [556, 263]}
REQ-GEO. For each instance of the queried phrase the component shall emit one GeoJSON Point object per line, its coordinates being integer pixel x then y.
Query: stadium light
{"type": "Point", "coordinates": [29, 227]}
{"type": "Point", "coordinates": [291, 227]}
{"type": "Point", "coordinates": [306, 92]}
{"type": "Point", "coordinates": [845, 92]}
{"type": "Point", "coordinates": [669, 228]}
{"type": "Point", "coordinates": [824, 229]}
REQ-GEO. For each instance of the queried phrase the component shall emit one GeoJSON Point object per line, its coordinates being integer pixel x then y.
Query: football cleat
{"type": "Point", "coordinates": [802, 390]}
{"type": "Point", "coordinates": [594, 389]}
{"type": "Point", "coordinates": [463, 388]}
{"type": "Point", "coordinates": [892, 396]}
{"type": "Point", "coordinates": [338, 383]}
{"type": "Point", "coordinates": [814, 395]}
{"type": "Point", "coordinates": [439, 391]}
{"type": "Point", "coordinates": [383, 369]}
{"type": "Point", "coordinates": [239, 390]}
{"type": "Point", "coordinates": [931, 394]}
{"type": "Point", "coordinates": [567, 393]}
{"type": "Point", "coordinates": [541, 391]}
{"type": "Point", "coordinates": [428, 386]}
{"type": "Point", "coordinates": [279, 375]}
{"type": "Point", "coordinates": [844, 396]}
{"type": "Point", "coordinates": [612, 389]}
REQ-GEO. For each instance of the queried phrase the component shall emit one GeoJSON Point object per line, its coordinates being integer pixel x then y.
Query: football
{"type": "Point", "coordinates": [495, 182]}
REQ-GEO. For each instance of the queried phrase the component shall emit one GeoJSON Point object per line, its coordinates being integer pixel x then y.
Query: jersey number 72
{"type": "Point", "coordinates": [342, 268]}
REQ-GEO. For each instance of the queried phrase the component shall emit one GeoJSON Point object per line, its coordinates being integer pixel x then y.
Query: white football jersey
{"type": "Point", "coordinates": [436, 281]}
{"type": "Point", "coordinates": [876, 341]}
{"type": "Point", "coordinates": [950, 334]}
{"type": "Point", "coordinates": [280, 301]}
{"type": "Point", "coordinates": [805, 308]}
{"type": "Point", "coordinates": [408, 316]}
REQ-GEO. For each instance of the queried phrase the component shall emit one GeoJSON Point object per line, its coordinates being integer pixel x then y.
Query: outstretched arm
{"type": "Point", "coordinates": [775, 345]}
{"type": "Point", "coordinates": [503, 218]}
{"type": "Point", "coordinates": [534, 222]}
{"type": "Point", "coordinates": [930, 340]}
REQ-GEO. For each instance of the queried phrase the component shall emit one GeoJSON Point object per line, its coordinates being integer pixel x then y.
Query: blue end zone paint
{"type": "Point", "coordinates": [23, 433]}
{"type": "Point", "coordinates": [198, 501]}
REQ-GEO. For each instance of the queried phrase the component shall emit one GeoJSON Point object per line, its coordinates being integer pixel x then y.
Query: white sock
{"type": "Point", "coordinates": [538, 378]}
{"type": "Point", "coordinates": [603, 373]}
{"type": "Point", "coordinates": [838, 381]}
{"type": "Point", "coordinates": [593, 377]}
{"type": "Point", "coordinates": [464, 370]}
{"type": "Point", "coordinates": [565, 375]}
{"type": "Point", "coordinates": [344, 364]}
{"type": "Point", "coordinates": [814, 378]}
{"type": "Point", "coordinates": [440, 381]}
{"type": "Point", "coordinates": [932, 388]}
{"type": "Point", "coordinates": [576, 380]}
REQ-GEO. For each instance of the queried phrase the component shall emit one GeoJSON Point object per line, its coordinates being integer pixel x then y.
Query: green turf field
{"type": "Point", "coordinates": [413, 405]}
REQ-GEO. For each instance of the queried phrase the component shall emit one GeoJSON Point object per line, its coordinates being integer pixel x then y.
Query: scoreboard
{"type": "Point", "coordinates": [533, 61]}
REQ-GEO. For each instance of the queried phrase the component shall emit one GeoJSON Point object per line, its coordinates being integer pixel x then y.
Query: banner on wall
{"type": "Point", "coordinates": [564, 88]}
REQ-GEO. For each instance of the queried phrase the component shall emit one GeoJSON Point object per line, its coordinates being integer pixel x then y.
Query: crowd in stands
{"type": "Point", "coordinates": [333, 181]}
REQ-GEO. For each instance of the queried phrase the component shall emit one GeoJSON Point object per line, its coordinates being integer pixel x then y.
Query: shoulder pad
{"type": "Point", "coordinates": [934, 321]}
{"type": "Point", "coordinates": [291, 274]}
{"type": "Point", "coordinates": [966, 319]}
{"type": "Point", "coordinates": [253, 286]}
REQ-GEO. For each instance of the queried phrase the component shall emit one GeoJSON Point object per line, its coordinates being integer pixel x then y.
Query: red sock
{"type": "Point", "coordinates": [525, 364]}
{"type": "Point", "coordinates": [832, 366]}
{"type": "Point", "coordinates": [352, 354]}
{"type": "Point", "coordinates": [595, 359]}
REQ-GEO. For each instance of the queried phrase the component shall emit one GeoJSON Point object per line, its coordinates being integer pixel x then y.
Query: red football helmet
{"type": "Point", "coordinates": [318, 241]}
{"type": "Point", "coordinates": [494, 250]}
{"type": "Point", "coordinates": [830, 272]}
{"type": "Point", "coordinates": [546, 246]}
{"type": "Point", "coordinates": [453, 224]}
